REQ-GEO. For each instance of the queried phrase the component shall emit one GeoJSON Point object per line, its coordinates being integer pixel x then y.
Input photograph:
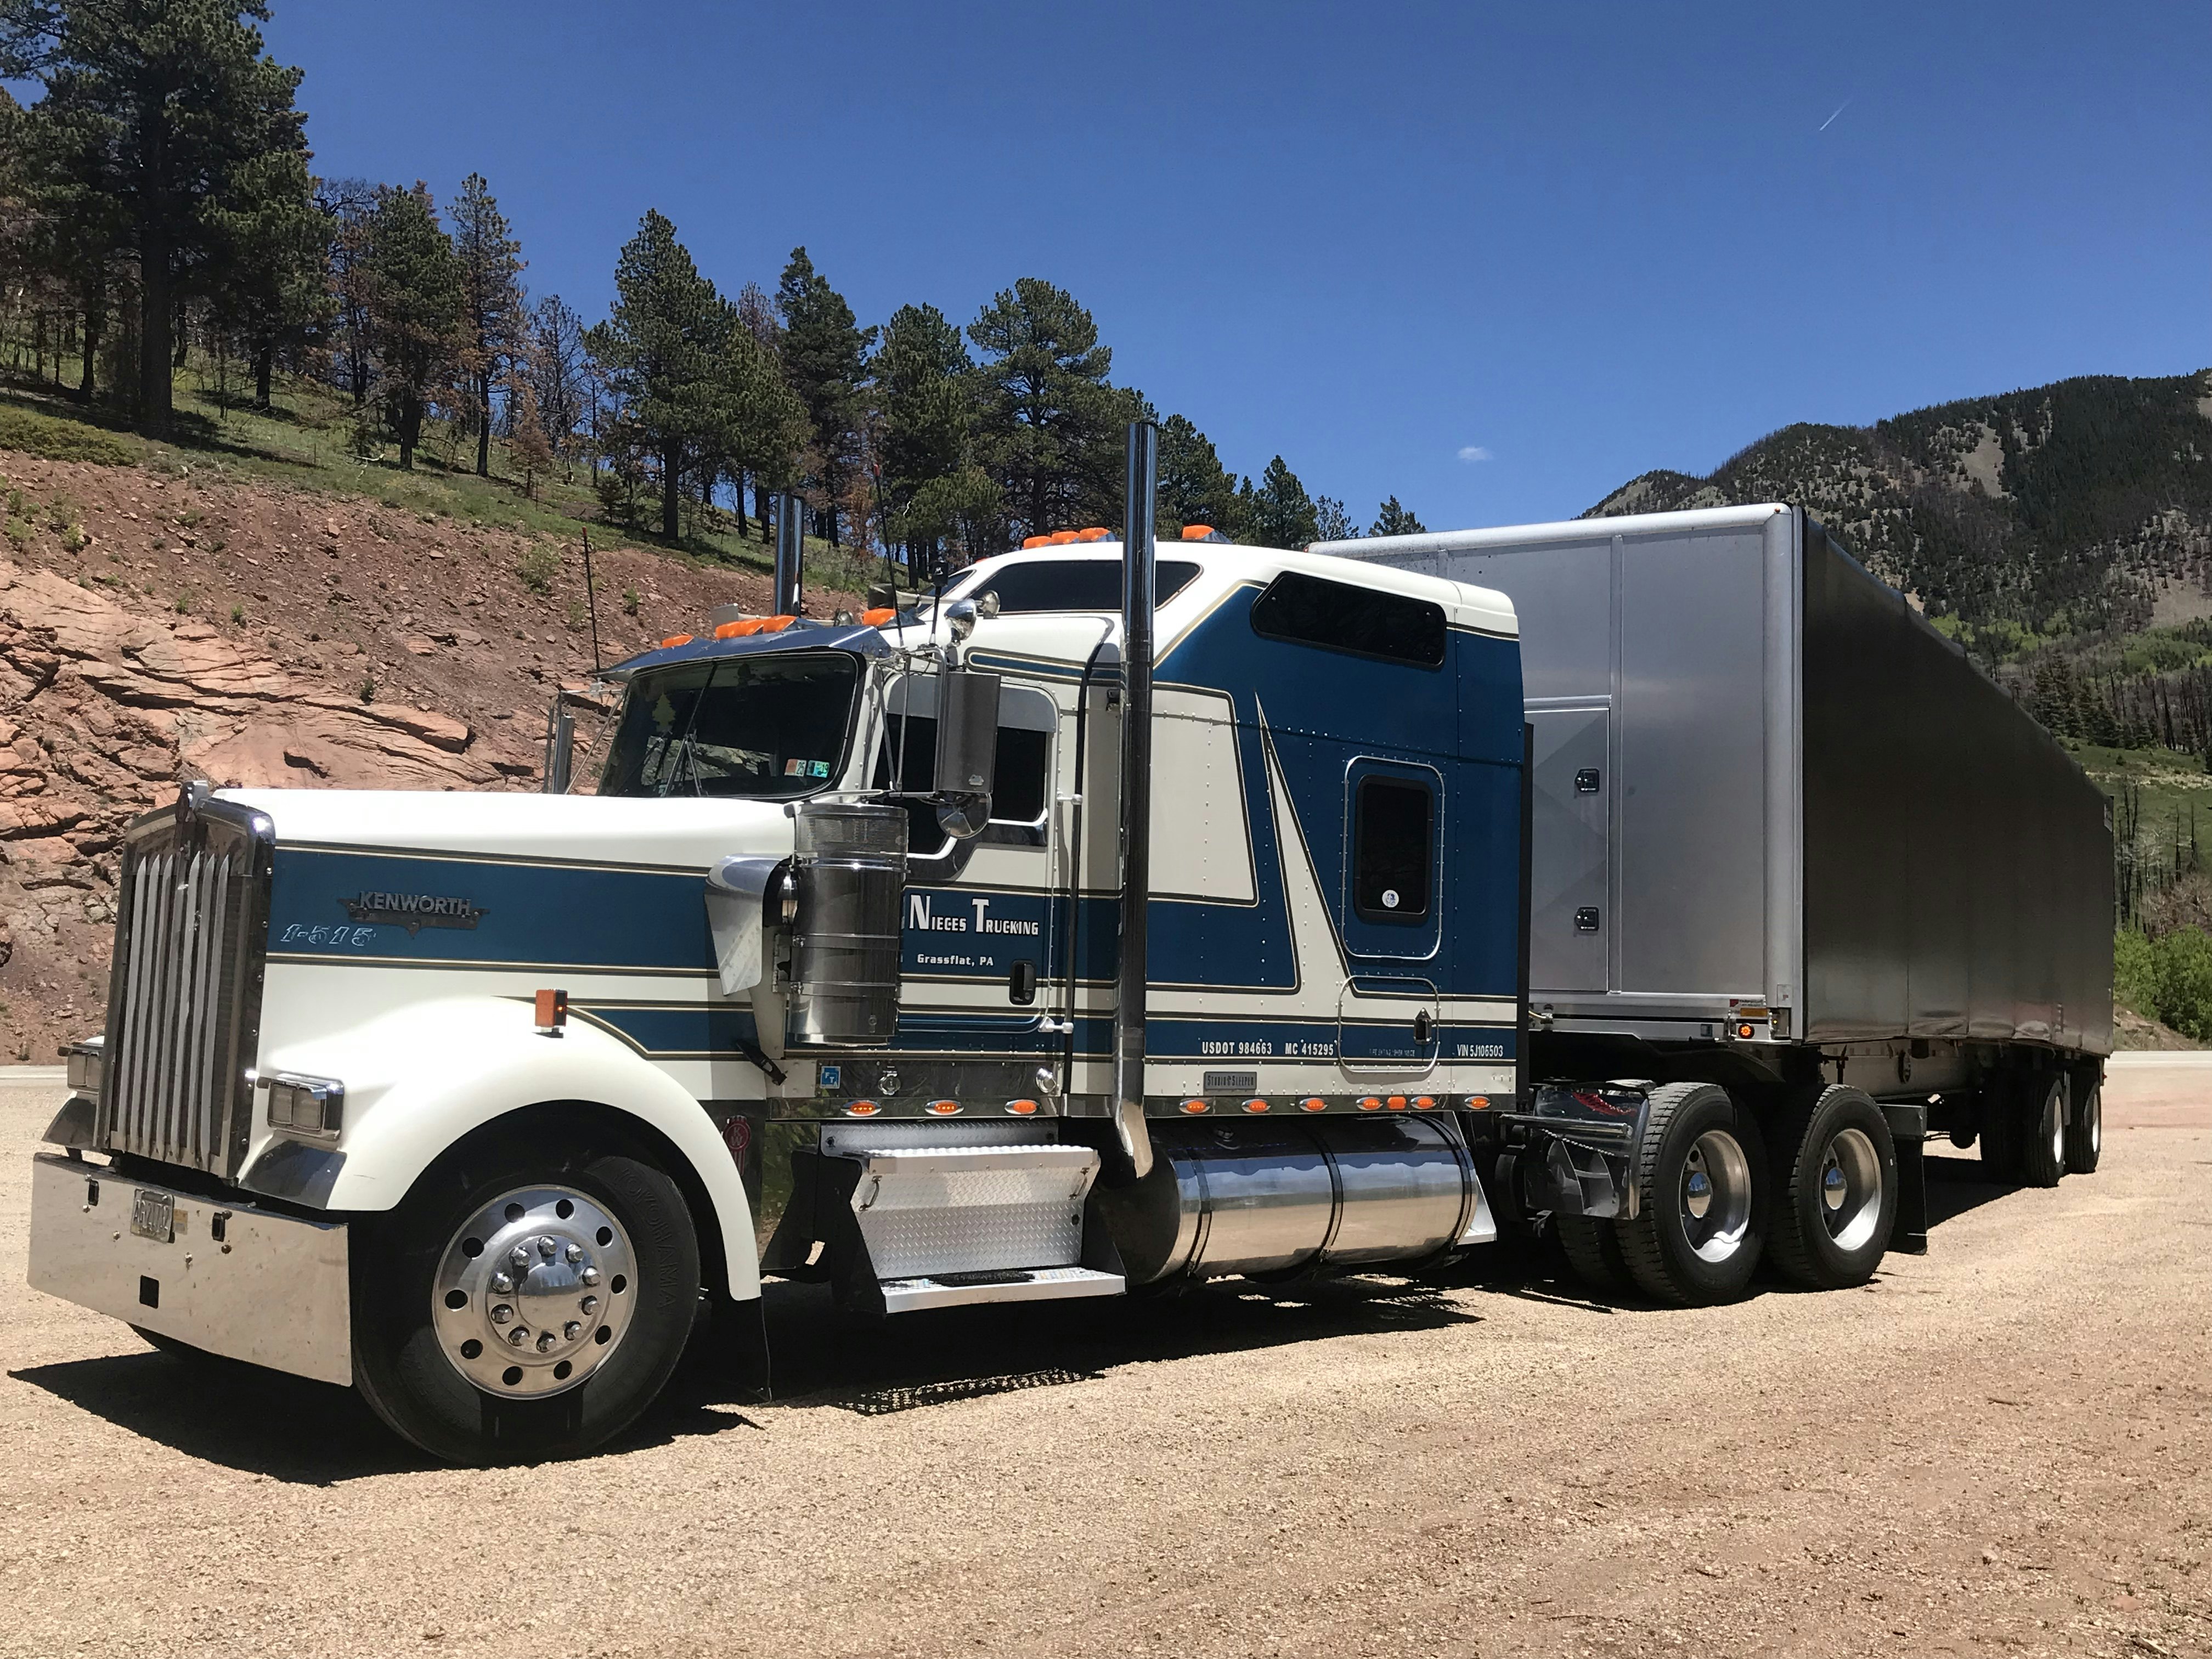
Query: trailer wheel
{"type": "Point", "coordinates": [1593, 1251]}
{"type": "Point", "coordinates": [2042, 1140]}
{"type": "Point", "coordinates": [1835, 1187]}
{"type": "Point", "coordinates": [525, 1308]}
{"type": "Point", "coordinates": [1701, 1202]}
{"type": "Point", "coordinates": [2085, 1133]}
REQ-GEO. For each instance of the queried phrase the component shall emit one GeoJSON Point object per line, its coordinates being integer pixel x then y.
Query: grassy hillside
{"type": "Point", "coordinates": [306, 440]}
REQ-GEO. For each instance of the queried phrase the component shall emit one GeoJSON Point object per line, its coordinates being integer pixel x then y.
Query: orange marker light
{"type": "Point", "coordinates": [879, 616]}
{"type": "Point", "coordinates": [1313, 1103]}
{"type": "Point", "coordinates": [1194, 1107]}
{"type": "Point", "coordinates": [1093, 534]}
{"type": "Point", "coordinates": [1396, 1102]}
{"type": "Point", "coordinates": [1423, 1102]}
{"type": "Point", "coordinates": [1060, 538]}
{"type": "Point", "coordinates": [862, 1108]}
{"type": "Point", "coordinates": [776, 625]}
{"type": "Point", "coordinates": [675, 640]}
{"type": "Point", "coordinates": [1255, 1105]}
{"type": "Point", "coordinates": [1029, 542]}
{"type": "Point", "coordinates": [1478, 1102]}
{"type": "Point", "coordinates": [738, 629]}
{"type": "Point", "coordinates": [943, 1107]}
{"type": "Point", "coordinates": [1744, 1030]}
{"type": "Point", "coordinates": [1368, 1103]}
{"type": "Point", "coordinates": [1022, 1107]}
{"type": "Point", "coordinates": [552, 1012]}
{"type": "Point", "coordinates": [1196, 533]}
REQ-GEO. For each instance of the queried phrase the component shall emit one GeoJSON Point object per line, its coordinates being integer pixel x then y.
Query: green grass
{"type": "Point", "coordinates": [306, 439]}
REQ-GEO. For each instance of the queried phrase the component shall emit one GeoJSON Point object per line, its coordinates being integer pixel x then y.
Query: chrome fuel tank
{"type": "Point", "coordinates": [1224, 1199]}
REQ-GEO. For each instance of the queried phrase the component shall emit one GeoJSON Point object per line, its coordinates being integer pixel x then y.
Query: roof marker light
{"type": "Point", "coordinates": [775, 624]}
{"type": "Point", "coordinates": [675, 640]}
{"type": "Point", "coordinates": [1094, 534]}
{"type": "Point", "coordinates": [1029, 542]}
{"type": "Point", "coordinates": [1060, 538]}
{"type": "Point", "coordinates": [879, 616]}
{"type": "Point", "coordinates": [743, 625]}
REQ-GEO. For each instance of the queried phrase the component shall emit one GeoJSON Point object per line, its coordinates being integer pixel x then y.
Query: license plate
{"type": "Point", "coordinates": [154, 1215]}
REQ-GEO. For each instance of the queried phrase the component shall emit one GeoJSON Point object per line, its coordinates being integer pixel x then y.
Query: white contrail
{"type": "Point", "coordinates": [1830, 121]}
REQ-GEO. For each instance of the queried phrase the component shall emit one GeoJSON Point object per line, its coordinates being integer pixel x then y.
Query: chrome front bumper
{"type": "Point", "coordinates": [246, 1282]}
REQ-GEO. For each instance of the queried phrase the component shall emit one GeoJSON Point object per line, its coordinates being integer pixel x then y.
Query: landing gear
{"type": "Point", "coordinates": [528, 1308]}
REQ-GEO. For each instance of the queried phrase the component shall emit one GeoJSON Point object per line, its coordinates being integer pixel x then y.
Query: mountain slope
{"type": "Point", "coordinates": [2082, 507]}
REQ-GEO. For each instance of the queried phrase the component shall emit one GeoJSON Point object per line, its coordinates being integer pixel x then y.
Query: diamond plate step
{"type": "Point", "coordinates": [1036, 1285]}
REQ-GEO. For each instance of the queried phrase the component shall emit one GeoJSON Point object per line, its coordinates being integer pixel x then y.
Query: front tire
{"type": "Point", "coordinates": [1701, 1202]}
{"type": "Point", "coordinates": [517, 1307]}
{"type": "Point", "coordinates": [1835, 1189]}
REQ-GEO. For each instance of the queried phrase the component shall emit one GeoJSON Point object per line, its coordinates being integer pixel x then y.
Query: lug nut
{"type": "Point", "coordinates": [518, 1259]}
{"type": "Point", "coordinates": [501, 1312]}
{"type": "Point", "coordinates": [575, 1253]}
{"type": "Point", "coordinates": [545, 1247]}
{"type": "Point", "coordinates": [518, 1336]}
{"type": "Point", "coordinates": [545, 1341]}
{"type": "Point", "coordinates": [589, 1306]}
{"type": "Point", "coordinates": [572, 1330]}
{"type": "Point", "coordinates": [500, 1284]}
{"type": "Point", "coordinates": [590, 1275]}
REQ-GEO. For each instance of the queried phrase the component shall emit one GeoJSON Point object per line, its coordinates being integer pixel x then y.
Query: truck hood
{"type": "Point", "coordinates": [682, 832]}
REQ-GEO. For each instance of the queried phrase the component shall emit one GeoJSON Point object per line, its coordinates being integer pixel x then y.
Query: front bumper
{"type": "Point", "coordinates": [235, 1280]}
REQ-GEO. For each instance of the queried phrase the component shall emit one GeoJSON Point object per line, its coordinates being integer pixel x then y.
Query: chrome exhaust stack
{"type": "Point", "coordinates": [1138, 561]}
{"type": "Point", "coordinates": [790, 548]}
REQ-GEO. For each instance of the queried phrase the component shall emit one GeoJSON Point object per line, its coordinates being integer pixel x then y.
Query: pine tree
{"type": "Point", "coordinates": [1279, 514]}
{"type": "Point", "coordinates": [158, 108]}
{"type": "Point", "coordinates": [1046, 419]}
{"type": "Point", "coordinates": [1392, 519]}
{"type": "Point", "coordinates": [1194, 488]}
{"type": "Point", "coordinates": [556, 367]}
{"type": "Point", "coordinates": [414, 288]}
{"type": "Point", "coordinates": [824, 354]}
{"type": "Point", "coordinates": [1331, 522]}
{"type": "Point", "coordinates": [351, 205]}
{"type": "Point", "coordinates": [663, 348]}
{"type": "Point", "coordinates": [532, 452]}
{"type": "Point", "coordinates": [274, 292]}
{"type": "Point", "coordinates": [921, 386]}
{"type": "Point", "coordinates": [495, 322]}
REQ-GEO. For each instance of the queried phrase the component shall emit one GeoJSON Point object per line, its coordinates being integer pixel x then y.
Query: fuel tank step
{"type": "Point", "coordinates": [1006, 1284]}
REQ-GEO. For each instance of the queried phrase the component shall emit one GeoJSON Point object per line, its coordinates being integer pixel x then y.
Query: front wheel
{"type": "Point", "coordinates": [525, 1308]}
{"type": "Point", "coordinates": [1701, 1207]}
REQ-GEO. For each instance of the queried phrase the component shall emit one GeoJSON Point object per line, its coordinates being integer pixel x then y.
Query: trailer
{"type": "Point", "coordinates": [1784, 830]}
{"type": "Point", "coordinates": [1110, 919]}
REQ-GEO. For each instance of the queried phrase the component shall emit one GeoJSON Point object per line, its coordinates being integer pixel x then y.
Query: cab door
{"type": "Point", "coordinates": [1389, 913]}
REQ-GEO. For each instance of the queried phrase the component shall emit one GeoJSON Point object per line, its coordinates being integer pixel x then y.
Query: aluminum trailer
{"type": "Point", "coordinates": [1783, 829]}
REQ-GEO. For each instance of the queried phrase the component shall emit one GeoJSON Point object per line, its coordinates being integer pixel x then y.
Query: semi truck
{"type": "Point", "coordinates": [1111, 919]}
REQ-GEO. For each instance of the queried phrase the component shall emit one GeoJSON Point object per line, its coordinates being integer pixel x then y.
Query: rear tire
{"type": "Point", "coordinates": [1835, 1187]}
{"type": "Point", "coordinates": [1701, 1198]}
{"type": "Point", "coordinates": [604, 1293]}
{"type": "Point", "coordinates": [1593, 1251]}
{"type": "Point", "coordinates": [2085, 1133]}
{"type": "Point", "coordinates": [2043, 1133]}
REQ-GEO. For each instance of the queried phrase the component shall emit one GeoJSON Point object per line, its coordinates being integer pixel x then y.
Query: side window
{"type": "Point", "coordinates": [1337, 617]}
{"type": "Point", "coordinates": [1393, 850]}
{"type": "Point", "coordinates": [907, 760]}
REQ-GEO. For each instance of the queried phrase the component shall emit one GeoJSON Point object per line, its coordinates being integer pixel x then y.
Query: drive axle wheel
{"type": "Point", "coordinates": [1835, 1187]}
{"type": "Point", "coordinates": [2085, 1130]}
{"type": "Point", "coordinates": [1593, 1250]}
{"type": "Point", "coordinates": [525, 1308]}
{"type": "Point", "coordinates": [1701, 1204]}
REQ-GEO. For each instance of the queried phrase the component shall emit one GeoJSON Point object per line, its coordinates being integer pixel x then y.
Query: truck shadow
{"type": "Point", "coordinates": [1956, 1185]}
{"type": "Point", "coordinates": [822, 1358]}
{"type": "Point", "coordinates": [240, 1416]}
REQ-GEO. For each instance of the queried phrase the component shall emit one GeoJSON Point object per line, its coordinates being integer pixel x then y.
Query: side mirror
{"type": "Point", "coordinates": [967, 750]}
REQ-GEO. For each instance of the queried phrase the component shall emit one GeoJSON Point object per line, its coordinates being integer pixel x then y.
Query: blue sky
{"type": "Point", "coordinates": [1494, 259]}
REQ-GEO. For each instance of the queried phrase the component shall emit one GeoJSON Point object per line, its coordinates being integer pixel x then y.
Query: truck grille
{"type": "Point", "coordinates": [184, 1001]}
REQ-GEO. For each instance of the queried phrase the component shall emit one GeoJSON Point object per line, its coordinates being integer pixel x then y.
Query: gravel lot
{"type": "Point", "coordinates": [2001, 1446]}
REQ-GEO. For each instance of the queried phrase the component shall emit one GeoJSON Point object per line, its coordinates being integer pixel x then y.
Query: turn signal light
{"type": "Point", "coordinates": [306, 1105]}
{"type": "Point", "coordinates": [862, 1108]}
{"type": "Point", "coordinates": [675, 640]}
{"type": "Point", "coordinates": [1313, 1103]}
{"type": "Point", "coordinates": [943, 1107]}
{"type": "Point", "coordinates": [1194, 1107]}
{"type": "Point", "coordinates": [1022, 1107]}
{"type": "Point", "coordinates": [1255, 1105]}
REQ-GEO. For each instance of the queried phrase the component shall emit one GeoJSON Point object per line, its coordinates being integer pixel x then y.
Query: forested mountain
{"type": "Point", "coordinates": [2066, 512]}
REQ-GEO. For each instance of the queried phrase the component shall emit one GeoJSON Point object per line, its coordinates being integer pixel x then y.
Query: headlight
{"type": "Point", "coordinates": [87, 1064]}
{"type": "Point", "coordinates": [312, 1106]}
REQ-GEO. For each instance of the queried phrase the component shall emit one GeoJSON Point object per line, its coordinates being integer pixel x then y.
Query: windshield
{"type": "Point", "coordinates": [771, 727]}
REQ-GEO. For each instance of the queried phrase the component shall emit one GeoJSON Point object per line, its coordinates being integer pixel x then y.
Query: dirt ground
{"type": "Point", "coordinates": [2004, 1446]}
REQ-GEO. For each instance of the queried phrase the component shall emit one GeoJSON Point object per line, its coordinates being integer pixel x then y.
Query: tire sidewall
{"type": "Point", "coordinates": [1833, 1267]}
{"type": "Point", "coordinates": [1710, 1108]}
{"type": "Point", "coordinates": [399, 1366]}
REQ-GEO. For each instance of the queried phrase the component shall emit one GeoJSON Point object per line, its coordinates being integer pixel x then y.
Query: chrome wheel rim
{"type": "Point", "coordinates": [1715, 1195]}
{"type": "Point", "coordinates": [2096, 1115]}
{"type": "Point", "coordinates": [533, 1292]}
{"type": "Point", "coordinates": [1850, 1189]}
{"type": "Point", "coordinates": [2057, 1129]}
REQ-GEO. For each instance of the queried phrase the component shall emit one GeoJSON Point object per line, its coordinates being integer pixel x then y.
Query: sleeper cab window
{"type": "Point", "coordinates": [1337, 617]}
{"type": "Point", "coordinates": [1393, 839]}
